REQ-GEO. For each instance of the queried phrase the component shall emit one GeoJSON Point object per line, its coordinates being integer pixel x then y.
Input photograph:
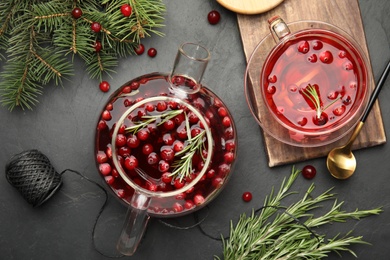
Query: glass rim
{"type": "Point", "coordinates": [201, 59]}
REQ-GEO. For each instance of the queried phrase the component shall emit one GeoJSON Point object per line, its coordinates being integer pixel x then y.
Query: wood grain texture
{"type": "Point", "coordinates": [249, 6]}
{"type": "Point", "coordinates": [344, 14]}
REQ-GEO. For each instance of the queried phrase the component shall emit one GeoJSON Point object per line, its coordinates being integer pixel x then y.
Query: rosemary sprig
{"type": "Point", "coordinates": [162, 118]}
{"type": "Point", "coordinates": [183, 166]}
{"type": "Point", "coordinates": [289, 233]}
{"type": "Point", "coordinates": [311, 93]}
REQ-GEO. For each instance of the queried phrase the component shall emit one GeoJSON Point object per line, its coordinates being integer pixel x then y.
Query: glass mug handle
{"type": "Point", "coordinates": [135, 224]}
{"type": "Point", "coordinates": [278, 28]}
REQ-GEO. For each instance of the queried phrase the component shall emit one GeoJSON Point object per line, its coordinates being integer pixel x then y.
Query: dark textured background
{"type": "Point", "coordinates": [62, 126]}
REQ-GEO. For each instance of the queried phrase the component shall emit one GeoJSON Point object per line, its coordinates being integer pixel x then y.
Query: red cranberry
{"type": "Point", "coordinates": [178, 146]}
{"type": "Point", "coordinates": [133, 141]}
{"type": "Point", "coordinates": [102, 125]}
{"type": "Point", "coordinates": [178, 183]}
{"type": "Point", "coordinates": [152, 158]}
{"type": "Point", "coordinates": [97, 46]}
{"type": "Point", "coordinates": [101, 157]}
{"type": "Point", "coordinates": [152, 52]}
{"type": "Point", "coordinates": [147, 149]}
{"type": "Point", "coordinates": [121, 193]}
{"type": "Point", "coordinates": [247, 196]}
{"type": "Point", "coordinates": [226, 121]}
{"type": "Point", "coordinates": [163, 166]}
{"type": "Point", "coordinates": [222, 112]}
{"type": "Point", "coordinates": [228, 157]}
{"type": "Point", "coordinates": [166, 178]}
{"type": "Point", "coordinates": [120, 140]}
{"type": "Point", "coordinates": [189, 204]}
{"type": "Point", "coordinates": [109, 179]}
{"type": "Point", "coordinates": [139, 49]}
{"type": "Point", "coordinates": [105, 168]}
{"type": "Point", "coordinates": [143, 134]}
{"type": "Point", "coordinates": [106, 115]}
{"type": "Point", "coordinates": [104, 86]}
{"type": "Point", "coordinates": [126, 10]}
{"type": "Point", "coordinates": [168, 139]}
{"type": "Point", "coordinates": [124, 151]}
{"type": "Point", "coordinates": [162, 106]}
{"type": "Point", "coordinates": [303, 47]}
{"type": "Point", "coordinates": [309, 171]}
{"type": "Point", "coordinates": [96, 27]}
{"type": "Point", "coordinates": [312, 58]}
{"type": "Point", "coordinates": [167, 154]}
{"type": "Point", "coordinates": [272, 79]}
{"type": "Point", "coordinates": [131, 162]}
{"type": "Point", "coordinates": [177, 207]}
{"type": "Point", "coordinates": [198, 199]}
{"type": "Point", "coordinates": [213, 17]}
{"type": "Point", "coordinates": [77, 13]}
{"type": "Point", "coordinates": [317, 45]}
{"type": "Point", "coordinates": [169, 124]}
{"type": "Point", "coordinates": [322, 120]}
{"type": "Point", "coordinates": [326, 57]}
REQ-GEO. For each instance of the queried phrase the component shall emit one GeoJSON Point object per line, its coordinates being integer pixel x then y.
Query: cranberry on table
{"type": "Point", "coordinates": [104, 86]}
{"type": "Point", "coordinates": [213, 17]}
{"type": "Point", "coordinates": [247, 196]}
{"type": "Point", "coordinates": [126, 10]}
{"type": "Point", "coordinates": [152, 52]}
{"type": "Point", "coordinates": [309, 171]}
{"type": "Point", "coordinates": [77, 13]}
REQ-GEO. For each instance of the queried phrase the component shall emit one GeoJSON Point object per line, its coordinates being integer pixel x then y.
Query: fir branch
{"type": "Point", "coordinates": [286, 235]}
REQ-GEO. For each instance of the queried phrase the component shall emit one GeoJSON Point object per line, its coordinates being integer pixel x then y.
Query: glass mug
{"type": "Point", "coordinates": [165, 144]}
{"type": "Point", "coordinates": [307, 82]}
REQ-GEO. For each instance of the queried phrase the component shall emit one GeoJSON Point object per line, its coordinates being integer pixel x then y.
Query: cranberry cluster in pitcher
{"type": "Point", "coordinates": [163, 142]}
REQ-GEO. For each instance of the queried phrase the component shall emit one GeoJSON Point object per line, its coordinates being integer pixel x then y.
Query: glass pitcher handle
{"type": "Point", "coordinates": [278, 28]}
{"type": "Point", "coordinates": [135, 224]}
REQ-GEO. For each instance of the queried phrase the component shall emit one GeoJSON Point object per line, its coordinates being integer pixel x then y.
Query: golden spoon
{"type": "Point", "coordinates": [341, 162]}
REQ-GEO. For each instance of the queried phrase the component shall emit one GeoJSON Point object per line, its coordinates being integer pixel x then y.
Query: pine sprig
{"type": "Point", "coordinates": [287, 233]}
{"type": "Point", "coordinates": [36, 36]}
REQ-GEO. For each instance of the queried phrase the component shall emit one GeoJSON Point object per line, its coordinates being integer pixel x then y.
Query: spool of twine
{"type": "Point", "coordinates": [32, 174]}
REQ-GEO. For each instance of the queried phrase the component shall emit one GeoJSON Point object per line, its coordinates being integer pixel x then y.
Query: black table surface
{"type": "Point", "coordinates": [62, 127]}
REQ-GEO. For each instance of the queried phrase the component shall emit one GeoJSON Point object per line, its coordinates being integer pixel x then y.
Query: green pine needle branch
{"type": "Point", "coordinates": [289, 233]}
{"type": "Point", "coordinates": [37, 36]}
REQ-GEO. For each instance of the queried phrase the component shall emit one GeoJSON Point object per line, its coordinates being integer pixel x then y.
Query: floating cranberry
{"type": "Point", "coordinates": [167, 154]}
{"type": "Point", "coordinates": [317, 45]}
{"type": "Point", "coordinates": [166, 178]}
{"type": "Point", "coordinates": [151, 186]}
{"type": "Point", "coordinates": [106, 115]}
{"type": "Point", "coordinates": [247, 196]}
{"type": "Point", "coordinates": [134, 85]}
{"type": "Point", "coordinates": [342, 54]}
{"type": "Point", "coordinates": [143, 134]}
{"type": "Point", "coordinates": [198, 199]}
{"type": "Point", "coordinates": [105, 168]}
{"type": "Point", "coordinates": [347, 100]}
{"type": "Point", "coordinates": [101, 157]}
{"type": "Point", "coordinates": [189, 204]}
{"type": "Point", "coordinates": [77, 13]}
{"type": "Point", "coordinates": [121, 193]}
{"type": "Point", "coordinates": [97, 46]}
{"type": "Point", "coordinates": [102, 125]}
{"type": "Point", "coordinates": [222, 112]}
{"type": "Point", "coordinates": [213, 17]}
{"type": "Point", "coordinates": [131, 162]}
{"type": "Point", "coordinates": [139, 49]}
{"type": "Point", "coordinates": [348, 65]}
{"type": "Point", "coordinates": [169, 124]}
{"type": "Point", "coordinates": [153, 158]}
{"type": "Point", "coordinates": [309, 171]}
{"type": "Point", "coordinates": [272, 79]}
{"type": "Point", "coordinates": [126, 10]}
{"type": "Point", "coordinates": [96, 27]}
{"type": "Point", "coordinates": [178, 183]}
{"type": "Point", "coordinates": [152, 52]}
{"type": "Point", "coordinates": [226, 122]}
{"type": "Point", "coordinates": [322, 120]}
{"type": "Point", "coordinates": [271, 89]}
{"type": "Point", "coordinates": [228, 157]}
{"type": "Point", "coordinates": [302, 121]}
{"type": "Point", "coordinates": [104, 86]}
{"type": "Point", "coordinates": [124, 151]}
{"type": "Point", "coordinates": [177, 207]}
{"type": "Point", "coordinates": [326, 57]}
{"type": "Point", "coordinates": [303, 47]}
{"type": "Point", "coordinates": [147, 149]}
{"type": "Point", "coordinates": [109, 179]}
{"type": "Point", "coordinates": [312, 58]}
{"type": "Point", "coordinates": [333, 95]}
{"type": "Point", "coordinates": [120, 140]}
{"type": "Point", "coordinates": [161, 106]}
{"type": "Point", "coordinates": [338, 111]}
{"type": "Point", "coordinates": [178, 146]}
{"type": "Point", "coordinates": [133, 141]}
{"type": "Point", "coordinates": [163, 166]}
{"type": "Point", "coordinates": [230, 145]}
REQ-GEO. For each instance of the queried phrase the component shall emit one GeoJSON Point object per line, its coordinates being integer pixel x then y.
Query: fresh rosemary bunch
{"type": "Point", "coordinates": [279, 232]}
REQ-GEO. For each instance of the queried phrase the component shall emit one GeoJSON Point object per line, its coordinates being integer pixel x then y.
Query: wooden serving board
{"type": "Point", "coordinates": [344, 14]}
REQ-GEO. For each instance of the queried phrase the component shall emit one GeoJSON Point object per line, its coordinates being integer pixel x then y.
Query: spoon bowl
{"type": "Point", "coordinates": [341, 162]}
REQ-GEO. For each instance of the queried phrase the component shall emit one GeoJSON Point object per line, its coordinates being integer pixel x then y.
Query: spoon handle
{"type": "Point", "coordinates": [375, 93]}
